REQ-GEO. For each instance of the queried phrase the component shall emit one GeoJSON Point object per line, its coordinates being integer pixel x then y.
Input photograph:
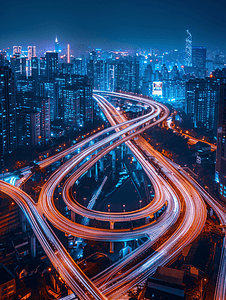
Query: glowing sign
{"type": "Point", "coordinates": [157, 88]}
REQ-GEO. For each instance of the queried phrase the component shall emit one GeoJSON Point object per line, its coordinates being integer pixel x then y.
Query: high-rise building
{"type": "Point", "coordinates": [34, 67]}
{"type": "Point", "coordinates": [3, 58]}
{"type": "Point", "coordinates": [23, 67]}
{"type": "Point", "coordinates": [45, 120]}
{"type": "Point", "coordinates": [199, 60]}
{"type": "Point", "coordinates": [51, 65]}
{"type": "Point", "coordinates": [8, 140]}
{"type": "Point", "coordinates": [71, 106]}
{"type": "Point", "coordinates": [77, 66]}
{"type": "Point", "coordinates": [31, 52]}
{"type": "Point", "coordinates": [28, 127]}
{"type": "Point", "coordinates": [48, 89]}
{"type": "Point", "coordinates": [17, 50]}
{"type": "Point", "coordinates": [83, 84]}
{"type": "Point", "coordinates": [221, 144]}
{"type": "Point", "coordinates": [15, 65]}
{"type": "Point", "coordinates": [127, 75]}
{"type": "Point", "coordinates": [201, 104]}
{"type": "Point", "coordinates": [42, 67]}
{"type": "Point", "coordinates": [188, 49]}
{"type": "Point", "coordinates": [56, 45]}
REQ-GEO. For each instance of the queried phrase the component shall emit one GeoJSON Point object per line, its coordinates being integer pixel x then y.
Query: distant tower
{"type": "Point", "coordinates": [56, 45]}
{"type": "Point", "coordinates": [31, 52]}
{"type": "Point", "coordinates": [188, 50]}
{"type": "Point", "coordinates": [16, 50]}
{"type": "Point", "coordinates": [68, 54]}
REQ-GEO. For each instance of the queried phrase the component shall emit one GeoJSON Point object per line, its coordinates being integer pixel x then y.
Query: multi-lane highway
{"type": "Point", "coordinates": [174, 190]}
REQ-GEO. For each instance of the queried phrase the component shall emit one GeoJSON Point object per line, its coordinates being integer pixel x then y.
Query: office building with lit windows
{"type": "Point", "coordinates": [51, 64]}
{"type": "Point", "coordinates": [220, 175]}
{"type": "Point", "coordinates": [31, 52]}
{"type": "Point", "coordinates": [84, 86]}
{"type": "Point", "coordinates": [17, 50]}
{"type": "Point", "coordinates": [201, 102]}
{"type": "Point", "coordinates": [199, 60]}
{"type": "Point", "coordinates": [8, 141]}
{"type": "Point", "coordinates": [45, 121]}
{"type": "Point", "coordinates": [28, 127]}
{"type": "Point", "coordinates": [71, 98]}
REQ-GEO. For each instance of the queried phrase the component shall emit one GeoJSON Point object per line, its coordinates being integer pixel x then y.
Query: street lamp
{"type": "Point", "coordinates": [124, 208]}
{"type": "Point", "coordinates": [201, 289]}
{"type": "Point", "coordinates": [84, 201]}
{"type": "Point", "coordinates": [140, 203]}
{"type": "Point", "coordinates": [109, 207]}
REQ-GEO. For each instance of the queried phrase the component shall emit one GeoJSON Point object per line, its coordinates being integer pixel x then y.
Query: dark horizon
{"type": "Point", "coordinates": [122, 24]}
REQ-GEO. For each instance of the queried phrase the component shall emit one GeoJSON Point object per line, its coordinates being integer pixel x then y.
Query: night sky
{"type": "Point", "coordinates": [113, 24]}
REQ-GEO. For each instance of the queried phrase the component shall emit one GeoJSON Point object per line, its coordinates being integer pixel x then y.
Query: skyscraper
{"type": "Point", "coordinates": [51, 65]}
{"type": "Point", "coordinates": [16, 50]}
{"type": "Point", "coordinates": [199, 60]}
{"type": "Point", "coordinates": [31, 52]}
{"type": "Point", "coordinates": [188, 49]}
{"type": "Point", "coordinates": [28, 127]}
{"type": "Point", "coordinates": [7, 112]}
{"type": "Point", "coordinates": [56, 45]}
{"type": "Point", "coordinates": [45, 120]}
{"type": "Point", "coordinates": [201, 103]}
{"type": "Point", "coordinates": [83, 84]}
{"type": "Point", "coordinates": [71, 106]}
{"type": "Point", "coordinates": [221, 144]}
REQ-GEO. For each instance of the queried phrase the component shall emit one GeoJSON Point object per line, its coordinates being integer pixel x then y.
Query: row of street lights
{"type": "Point", "coordinates": [123, 206]}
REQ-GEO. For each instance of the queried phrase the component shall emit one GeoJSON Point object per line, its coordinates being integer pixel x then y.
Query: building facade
{"type": "Point", "coordinates": [221, 145]}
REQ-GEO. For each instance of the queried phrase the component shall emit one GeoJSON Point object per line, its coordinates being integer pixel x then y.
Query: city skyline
{"type": "Point", "coordinates": [113, 150]}
{"type": "Point", "coordinates": [126, 24]}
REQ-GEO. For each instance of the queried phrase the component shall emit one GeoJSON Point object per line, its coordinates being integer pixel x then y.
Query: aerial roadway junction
{"type": "Point", "coordinates": [181, 198]}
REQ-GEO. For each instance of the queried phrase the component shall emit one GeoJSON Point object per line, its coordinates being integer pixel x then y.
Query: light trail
{"type": "Point", "coordinates": [165, 180]}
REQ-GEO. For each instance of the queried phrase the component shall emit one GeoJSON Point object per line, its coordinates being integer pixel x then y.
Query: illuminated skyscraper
{"type": "Point", "coordinates": [188, 49]}
{"type": "Point", "coordinates": [45, 120]}
{"type": "Point", "coordinates": [31, 52]}
{"type": "Point", "coordinates": [201, 103]}
{"type": "Point", "coordinates": [51, 65]}
{"type": "Point", "coordinates": [16, 50]}
{"type": "Point", "coordinates": [56, 45]}
{"type": "Point", "coordinates": [221, 144]}
{"type": "Point", "coordinates": [84, 86]}
{"type": "Point", "coordinates": [199, 60]}
{"type": "Point", "coordinates": [28, 127]}
{"type": "Point", "coordinates": [7, 112]}
{"type": "Point", "coordinates": [71, 106]}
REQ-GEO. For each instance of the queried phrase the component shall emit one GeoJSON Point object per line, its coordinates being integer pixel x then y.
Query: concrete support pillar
{"type": "Point", "coordinates": [139, 166]}
{"type": "Point", "coordinates": [113, 164]}
{"type": "Point", "coordinates": [112, 243]}
{"type": "Point", "coordinates": [124, 244]}
{"type": "Point", "coordinates": [90, 172]}
{"type": "Point", "coordinates": [23, 222]}
{"type": "Point", "coordinates": [122, 156]}
{"type": "Point", "coordinates": [101, 165]}
{"type": "Point", "coordinates": [111, 150]}
{"type": "Point", "coordinates": [96, 171]}
{"type": "Point", "coordinates": [33, 246]}
{"type": "Point", "coordinates": [73, 216]}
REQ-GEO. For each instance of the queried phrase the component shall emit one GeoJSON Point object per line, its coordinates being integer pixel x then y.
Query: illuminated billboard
{"type": "Point", "coordinates": [157, 88]}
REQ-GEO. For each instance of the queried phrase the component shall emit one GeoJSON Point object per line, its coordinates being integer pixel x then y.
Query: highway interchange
{"type": "Point", "coordinates": [175, 191]}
